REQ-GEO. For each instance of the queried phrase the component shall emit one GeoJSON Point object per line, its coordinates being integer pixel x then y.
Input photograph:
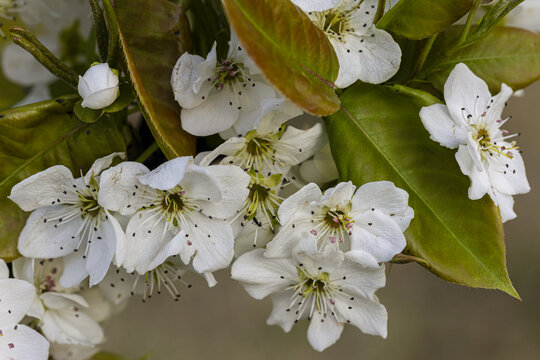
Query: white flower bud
{"type": "Point", "coordinates": [98, 87]}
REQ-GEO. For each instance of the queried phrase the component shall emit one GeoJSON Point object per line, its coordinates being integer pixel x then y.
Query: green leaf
{"type": "Point", "coordinates": [419, 19]}
{"type": "Point", "coordinates": [37, 136]}
{"type": "Point", "coordinates": [153, 35]}
{"type": "Point", "coordinates": [462, 240]}
{"type": "Point", "coordinates": [122, 101]}
{"type": "Point", "coordinates": [294, 55]}
{"type": "Point", "coordinates": [10, 93]}
{"type": "Point", "coordinates": [507, 55]}
{"type": "Point", "coordinates": [85, 114]}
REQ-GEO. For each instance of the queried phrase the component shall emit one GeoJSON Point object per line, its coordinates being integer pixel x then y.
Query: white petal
{"type": "Point", "coordinates": [378, 235]}
{"type": "Point", "coordinates": [120, 189]}
{"type": "Point", "coordinates": [380, 57]}
{"type": "Point", "coordinates": [385, 197]}
{"type": "Point", "coordinates": [274, 113]}
{"type": "Point", "coordinates": [22, 68]}
{"type": "Point", "coordinates": [16, 297]}
{"type": "Point", "coordinates": [147, 233]}
{"type": "Point", "coordinates": [479, 179]}
{"type": "Point", "coordinates": [213, 243]}
{"type": "Point", "coordinates": [217, 113]}
{"type": "Point", "coordinates": [315, 5]}
{"type": "Point", "coordinates": [441, 127]}
{"type": "Point", "coordinates": [363, 275]}
{"type": "Point", "coordinates": [74, 270]}
{"type": "Point", "coordinates": [101, 99]}
{"type": "Point", "coordinates": [297, 203]}
{"type": "Point", "coordinates": [230, 147]}
{"type": "Point", "coordinates": [167, 175]}
{"type": "Point", "coordinates": [43, 188]}
{"type": "Point", "coordinates": [280, 316]}
{"type": "Point", "coordinates": [341, 195]}
{"type": "Point", "coordinates": [233, 184]}
{"type": "Point", "coordinates": [367, 315]}
{"type": "Point", "coordinates": [83, 88]}
{"type": "Point", "coordinates": [102, 249]}
{"type": "Point", "coordinates": [262, 276]}
{"type": "Point", "coordinates": [465, 90]}
{"type": "Point", "coordinates": [173, 247]}
{"type": "Point", "coordinates": [72, 352]}
{"type": "Point", "coordinates": [70, 326]}
{"type": "Point", "coordinates": [323, 331]}
{"type": "Point", "coordinates": [505, 203]}
{"type": "Point", "coordinates": [348, 58]}
{"type": "Point", "coordinates": [101, 164]}
{"type": "Point", "coordinates": [304, 142]}
{"type": "Point", "coordinates": [99, 308]}
{"type": "Point", "coordinates": [22, 342]}
{"type": "Point", "coordinates": [200, 184]}
{"type": "Point", "coordinates": [49, 239]}
{"type": "Point", "coordinates": [183, 78]}
{"type": "Point", "coordinates": [498, 103]}
{"type": "Point", "coordinates": [507, 175]}
{"type": "Point", "coordinates": [58, 301]}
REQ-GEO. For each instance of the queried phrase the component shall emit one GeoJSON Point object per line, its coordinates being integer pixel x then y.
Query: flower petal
{"type": "Point", "coordinates": [101, 99]}
{"type": "Point", "coordinates": [102, 249]}
{"type": "Point", "coordinates": [16, 298]}
{"type": "Point", "coordinates": [261, 276]}
{"type": "Point", "coordinates": [505, 203]}
{"type": "Point", "coordinates": [184, 76]}
{"type": "Point", "coordinates": [465, 90]}
{"type": "Point", "coordinates": [297, 204]}
{"type": "Point", "coordinates": [43, 188]}
{"type": "Point", "coordinates": [233, 185]}
{"type": "Point", "coordinates": [22, 342]}
{"type": "Point", "coordinates": [229, 147]}
{"type": "Point", "coordinates": [378, 235]}
{"type": "Point", "coordinates": [479, 178]}
{"type": "Point", "coordinates": [315, 5]}
{"type": "Point", "coordinates": [200, 184]}
{"type": "Point", "coordinates": [323, 331]}
{"type": "Point", "coordinates": [280, 316]}
{"type": "Point", "coordinates": [380, 57]}
{"type": "Point", "coordinates": [507, 175]}
{"type": "Point", "coordinates": [367, 315]}
{"type": "Point", "coordinates": [42, 237]}
{"type": "Point", "coordinates": [441, 127]}
{"type": "Point", "coordinates": [296, 146]}
{"type": "Point", "coordinates": [4, 271]}
{"type": "Point", "coordinates": [71, 326]}
{"type": "Point", "coordinates": [167, 175]}
{"type": "Point", "coordinates": [120, 189]}
{"type": "Point", "coordinates": [385, 197]}
{"type": "Point", "coordinates": [101, 164]}
{"type": "Point", "coordinates": [212, 242]}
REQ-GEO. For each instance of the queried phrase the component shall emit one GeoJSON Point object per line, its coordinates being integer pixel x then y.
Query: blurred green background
{"type": "Point", "coordinates": [428, 318]}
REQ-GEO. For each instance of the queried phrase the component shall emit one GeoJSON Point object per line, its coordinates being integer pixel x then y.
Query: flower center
{"type": "Point", "coordinates": [89, 206]}
{"type": "Point", "coordinates": [488, 143]}
{"type": "Point", "coordinates": [332, 224]}
{"type": "Point", "coordinates": [334, 23]}
{"type": "Point", "coordinates": [228, 71]}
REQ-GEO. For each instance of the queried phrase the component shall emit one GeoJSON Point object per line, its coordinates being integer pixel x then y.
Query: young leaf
{"type": "Point", "coordinates": [85, 114]}
{"type": "Point", "coordinates": [153, 35]}
{"type": "Point", "coordinates": [507, 55]}
{"type": "Point", "coordinates": [294, 55]}
{"type": "Point", "coordinates": [37, 136]}
{"type": "Point", "coordinates": [378, 135]}
{"type": "Point", "coordinates": [419, 19]}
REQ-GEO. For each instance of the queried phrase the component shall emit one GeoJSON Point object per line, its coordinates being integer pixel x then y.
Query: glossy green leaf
{"type": "Point", "coordinates": [85, 114]}
{"type": "Point", "coordinates": [507, 55]}
{"type": "Point", "coordinates": [153, 35]}
{"type": "Point", "coordinates": [379, 136]}
{"type": "Point", "coordinates": [122, 101]}
{"type": "Point", "coordinates": [419, 19]}
{"type": "Point", "coordinates": [37, 136]}
{"type": "Point", "coordinates": [294, 55]}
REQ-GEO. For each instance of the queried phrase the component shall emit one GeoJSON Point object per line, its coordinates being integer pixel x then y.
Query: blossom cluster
{"type": "Point", "coordinates": [267, 201]}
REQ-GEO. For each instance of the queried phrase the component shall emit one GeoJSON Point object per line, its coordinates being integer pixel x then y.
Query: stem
{"type": "Point", "coordinates": [101, 29]}
{"type": "Point", "coordinates": [148, 152]}
{"type": "Point", "coordinates": [468, 24]}
{"type": "Point", "coordinates": [380, 11]}
{"type": "Point", "coordinates": [425, 53]}
{"type": "Point", "coordinates": [47, 59]}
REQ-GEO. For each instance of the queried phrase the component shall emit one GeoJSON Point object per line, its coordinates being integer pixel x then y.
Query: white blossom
{"type": "Point", "coordinates": [68, 221]}
{"type": "Point", "coordinates": [61, 311]}
{"type": "Point", "coordinates": [272, 148]}
{"type": "Point", "coordinates": [98, 86]}
{"type": "Point", "coordinates": [315, 5]}
{"type": "Point", "coordinates": [471, 121]}
{"type": "Point", "coordinates": [218, 95]}
{"type": "Point", "coordinates": [178, 208]}
{"type": "Point", "coordinates": [372, 219]}
{"type": "Point", "coordinates": [18, 341]}
{"type": "Point", "coordinates": [364, 52]}
{"type": "Point", "coordinates": [327, 287]}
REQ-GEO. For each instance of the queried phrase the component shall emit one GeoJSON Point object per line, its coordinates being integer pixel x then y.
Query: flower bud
{"type": "Point", "coordinates": [98, 87]}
